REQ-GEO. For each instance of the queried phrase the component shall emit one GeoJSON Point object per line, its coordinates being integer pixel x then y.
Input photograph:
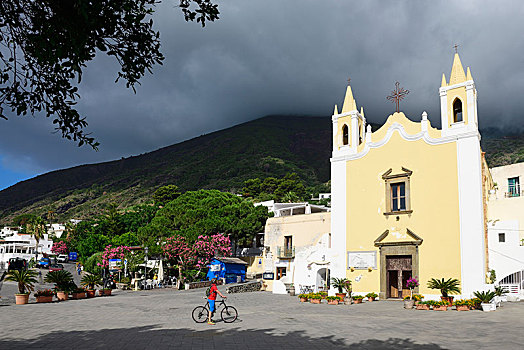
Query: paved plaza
{"type": "Point", "coordinates": [161, 319]}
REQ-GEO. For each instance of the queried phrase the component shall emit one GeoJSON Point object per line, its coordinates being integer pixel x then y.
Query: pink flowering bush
{"type": "Point", "coordinates": [59, 248]}
{"type": "Point", "coordinates": [120, 252]}
{"type": "Point", "coordinates": [198, 254]}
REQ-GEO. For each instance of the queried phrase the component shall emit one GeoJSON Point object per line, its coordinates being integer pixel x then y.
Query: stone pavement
{"type": "Point", "coordinates": [161, 319]}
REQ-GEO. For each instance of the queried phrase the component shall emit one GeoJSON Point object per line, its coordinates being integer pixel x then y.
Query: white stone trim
{"type": "Point", "coordinates": [338, 218]}
{"type": "Point", "coordinates": [424, 135]}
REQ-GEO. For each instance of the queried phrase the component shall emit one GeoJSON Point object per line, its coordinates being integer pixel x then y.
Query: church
{"type": "Point", "coordinates": [409, 200]}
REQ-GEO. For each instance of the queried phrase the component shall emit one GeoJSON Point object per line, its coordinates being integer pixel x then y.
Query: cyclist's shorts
{"type": "Point", "coordinates": [211, 305]}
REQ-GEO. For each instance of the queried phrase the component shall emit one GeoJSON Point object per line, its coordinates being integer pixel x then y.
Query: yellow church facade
{"type": "Point", "coordinates": [409, 200]}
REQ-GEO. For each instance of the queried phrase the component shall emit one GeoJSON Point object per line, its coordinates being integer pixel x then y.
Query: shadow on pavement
{"type": "Point", "coordinates": [151, 337]}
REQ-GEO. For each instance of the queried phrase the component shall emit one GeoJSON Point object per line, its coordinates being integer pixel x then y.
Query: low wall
{"type": "Point", "coordinates": [202, 284]}
{"type": "Point", "coordinates": [245, 287]}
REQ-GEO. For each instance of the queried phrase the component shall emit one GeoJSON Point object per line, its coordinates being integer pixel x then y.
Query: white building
{"type": "Point", "coordinates": [18, 245]}
{"type": "Point", "coordinates": [506, 227]}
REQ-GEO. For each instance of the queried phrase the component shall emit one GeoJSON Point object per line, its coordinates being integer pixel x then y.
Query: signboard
{"type": "Point", "coordinates": [214, 268]}
{"type": "Point", "coordinates": [362, 260]}
{"type": "Point", "coordinates": [268, 276]}
{"type": "Point", "coordinates": [114, 264]}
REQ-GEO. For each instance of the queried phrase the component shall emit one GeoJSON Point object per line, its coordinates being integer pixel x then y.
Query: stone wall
{"type": "Point", "coordinates": [202, 284]}
{"type": "Point", "coordinates": [245, 287]}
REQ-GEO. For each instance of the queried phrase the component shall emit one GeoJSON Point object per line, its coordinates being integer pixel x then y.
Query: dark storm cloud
{"type": "Point", "coordinates": [287, 57]}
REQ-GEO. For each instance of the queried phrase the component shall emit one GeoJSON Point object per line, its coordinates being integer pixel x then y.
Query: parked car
{"type": "Point", "coordinates": [62, 258]}
{"type": "Point", "coordinates": [56, 267]}
{"type": "Point", "coordinates": [44, 263]}
{"type": "Point", "coordinates": [17, 264]}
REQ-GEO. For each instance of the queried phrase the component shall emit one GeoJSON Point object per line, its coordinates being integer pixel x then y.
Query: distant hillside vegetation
{"type": "Point", "coordinates": [269, 146]}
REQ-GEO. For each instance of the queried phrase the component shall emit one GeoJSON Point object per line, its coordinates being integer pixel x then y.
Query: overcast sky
{"type": "Point", "coordinates": [284, 57]}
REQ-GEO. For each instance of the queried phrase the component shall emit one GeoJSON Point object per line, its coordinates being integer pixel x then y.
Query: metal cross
{"type": "Point", "coordinates": [397, 95]}
{"type": "Point", "coordinates": [455, 46]}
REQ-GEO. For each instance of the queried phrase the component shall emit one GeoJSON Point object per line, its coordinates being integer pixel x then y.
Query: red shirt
{"type": "Point", "coordinates": [213, 292]}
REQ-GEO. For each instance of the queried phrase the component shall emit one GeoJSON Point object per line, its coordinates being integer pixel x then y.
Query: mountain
{"type": "Point", "coordinates": [269, 146]}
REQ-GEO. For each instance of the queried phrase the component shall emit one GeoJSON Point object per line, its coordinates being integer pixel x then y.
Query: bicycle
{"type": "Point", "coordinates": [228, 314]}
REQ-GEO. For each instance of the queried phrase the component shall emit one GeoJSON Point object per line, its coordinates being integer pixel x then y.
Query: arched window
{"type": "Point", "coordinates": [345, 135]}
{"type": "Point", "coordinates": [457, 110]}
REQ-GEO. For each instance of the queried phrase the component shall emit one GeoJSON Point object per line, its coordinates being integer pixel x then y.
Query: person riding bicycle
{"type": "Point", "coordinates": [211, 299]}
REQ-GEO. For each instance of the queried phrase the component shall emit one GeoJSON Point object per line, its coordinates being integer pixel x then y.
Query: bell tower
{"type": "Point", "coordinates": [348, 126]}
{"type": "Point", "coordinates": [458, 101]}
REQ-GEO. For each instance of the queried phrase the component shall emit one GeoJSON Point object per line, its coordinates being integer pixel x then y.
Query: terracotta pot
{"type": "Point", "coordinates": [341, 295]}
{"type": "Point", "coordinates": [440, 308]}
{"type": "Point", "coordinates": [21, 299]}
{"type": "Point", "coordinates": [80, 295]}
{"type": "Point", "coordinates": [357, 301]}
{"type": "Point", "coordinates": [422, 307]}
{"type": "Point", "coordinates": [462, 308]}
{"type": "Point", "coordinates": [44, 299]}
{"type": "Point", "coordinates": [448, 300]}
{"type": "Point", "coordinates": [61, 296]}
{"type": "Point", "coordinates": [303, 300]}
{"type": "Point", "coordinates": [107, 292]}
{"type": "Point", "coordinates": [332, 302]}
{"type": "Point", "coordinates": [408, 304]}
{"type": "Point", "coordinates": [371, 299]}
{"type": "Point", "coordinates": [416, 302]}
{"type": "Point", "coordinates": [90, 293]}
{"type": "Point", "coordinates": [315, 301]}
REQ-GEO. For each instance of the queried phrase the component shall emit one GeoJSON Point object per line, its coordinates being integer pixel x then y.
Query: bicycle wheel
{"type": "Point", "coordinates": [200, 314]}
{"type": "Point", "coordinates": [229, 314]}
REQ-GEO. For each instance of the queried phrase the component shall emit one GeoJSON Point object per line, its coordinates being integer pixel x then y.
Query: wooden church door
{"type": "Point", "coordinates": [398, 271]}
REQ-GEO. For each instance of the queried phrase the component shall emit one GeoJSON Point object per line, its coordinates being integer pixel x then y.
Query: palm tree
{"type": "Point", "coordinates": [25, 279]}
{"type": "Point", "coordinates": [450, 286]}
{"type": "Point", "coordinates": [62, 279]}
{"type": "Point", "coordinates": [90, 281]}
{"type": "Point", "coordinates": [37, 228]}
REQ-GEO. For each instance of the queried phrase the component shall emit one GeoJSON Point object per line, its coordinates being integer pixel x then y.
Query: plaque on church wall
{"type": "Point", "coordinates": [362, 260]}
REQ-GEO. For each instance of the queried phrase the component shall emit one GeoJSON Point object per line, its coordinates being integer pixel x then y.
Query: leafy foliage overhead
{"type": "Point", "coordinates": [46, 44]}
{"type": "Point", "coordinates": [207, 212]}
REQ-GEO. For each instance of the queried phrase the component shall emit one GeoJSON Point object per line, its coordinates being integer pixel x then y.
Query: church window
{"type": "Point", "coordinates": [457, 110]}
{"type": "Point", "coordinates": [397, 192]}
{"type": "Point", "coordinates": [345, 135]}
{"type": "Point", "coordinates": [513, 187]}
{"type": "Point", "coordinates": [398, 196]}
{"type": "Point", "coordinates": [502, 237]}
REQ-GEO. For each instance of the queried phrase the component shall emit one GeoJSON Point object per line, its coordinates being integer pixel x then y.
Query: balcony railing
{"type": "Point", "coordinates": [286, 252]}
{"type": "Point", "coordinates": [514, 194]}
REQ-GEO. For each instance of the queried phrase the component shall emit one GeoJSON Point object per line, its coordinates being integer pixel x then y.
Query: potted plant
{"type": "Point", "coordinates": [424, 305]}
{"type": "Point", "coordinates": [417, 298]}
{"type": "Point", "coordinates": [63, 281]}
{"type": "Point", "coordinates": [323, 294]}
{"type": "Point", "coordinates": [412, 283]}
{"type": "Point", "coordinates": [79, 293]}
{"type": "Point", "coordinates": [44, 296]}
{"type": "Point", "coordinates": [463, 304]}
{"type": "Point", "coordinates": [446, 287]}
{"type": "Point", "coordinates": [358, 299]}
{"type": "Point", "coordinates": [475, 303]}
{"type": "Point", "coordinates": [372, 296]}
{"type": "Point", "coordinates": [25, 280]}
{"type": "Point", "coordinates": [315, 298]}
{"type": "Point", "coordinates": [340, 284]}
{"type": "Point", "coordinates": [486, 299]}
{"type": "Point", "coordinates": [303, 297]}
{"type": "Point", "coordinates": [440, 305]}
{"type": "Point", "coordinates": [90, 281]}
{"type": "Point", "coordinates": [500, 296]}
{"type": "Point", "coordinates": [105, 291]}
{"type": "Point", "coordinates": [408, 302]}
{"type": "Point", "coordinates": [331, 300]}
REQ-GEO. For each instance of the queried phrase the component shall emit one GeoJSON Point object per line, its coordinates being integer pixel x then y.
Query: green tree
{"type": "Point", "coordinates": [165, 194]}
{"type": "Point", "coordinates": [47, 44]}
{"type": "Point", "coordinates": [207, 212]}
{"type": "Point", "coordinates": [276, 189]}
{"type": "Point", "coordinates": [37, 228]}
